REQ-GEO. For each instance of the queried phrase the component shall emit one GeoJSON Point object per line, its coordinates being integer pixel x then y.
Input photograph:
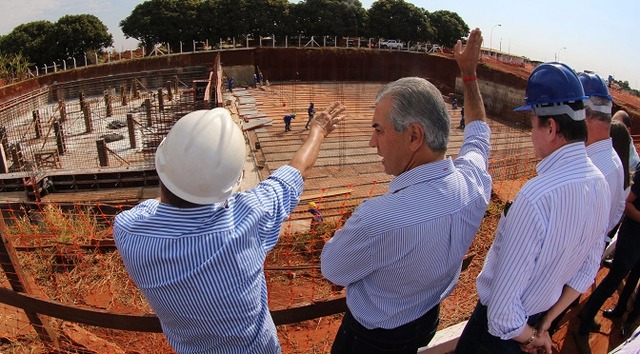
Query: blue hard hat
{"type": "Point", "coordinates": [553, 85]}
{"type": "Point", "coordinates": [594, 85]}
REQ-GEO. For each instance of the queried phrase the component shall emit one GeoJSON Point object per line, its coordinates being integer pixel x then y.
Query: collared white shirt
{"type": "Point", "coordinates": [551, 236]}
{"type": "Point", "coordinates": [607, 161]}
{"type": "Point", "coordinates": [201, 269]}
{"type": "Point", "coordinates": [400, 254]}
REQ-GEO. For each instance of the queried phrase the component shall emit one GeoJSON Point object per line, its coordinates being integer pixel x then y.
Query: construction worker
{"type": "Point", "coordinates": [548, 246]}
{"type": "Point", "coordinates": [287, 121]}
{"type": "Point", "coordinates": [197, 254]}
{"type": "Point", "coordinates": [317, 215]}
{"type": "Point", "coordinates": [311, 111]}
{"type": "Point", "coordinates": [399, 254]}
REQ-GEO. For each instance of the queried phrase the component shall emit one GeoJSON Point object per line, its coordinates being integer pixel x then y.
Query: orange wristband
{"type": "Point", "coordinates": [467, 79]}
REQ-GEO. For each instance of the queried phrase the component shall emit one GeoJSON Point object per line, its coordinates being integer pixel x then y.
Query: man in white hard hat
{"type": "Point", "coordinates": [197, 254]}
{"type": "Point", "coordinates": [400, 254]}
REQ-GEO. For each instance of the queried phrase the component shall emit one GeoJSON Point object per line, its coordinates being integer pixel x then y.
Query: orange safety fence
{"type": "Point", "coordinates": [65, 254]}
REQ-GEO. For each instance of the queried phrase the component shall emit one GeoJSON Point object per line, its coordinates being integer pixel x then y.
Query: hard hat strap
{"type": "Point", "coordinates": [606, 108]}
{"type": "Point", "coordinates": [552, 109]}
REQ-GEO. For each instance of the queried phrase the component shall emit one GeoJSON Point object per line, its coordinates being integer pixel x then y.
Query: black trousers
{"type": "Point", "coordinates": [605, 289]}
{"type": "Point", "coordinates": [354, 338]}
{"type": "Point", "coordinates": [629, 287]}
{"type": "Point", "coordinates": [476, 339]}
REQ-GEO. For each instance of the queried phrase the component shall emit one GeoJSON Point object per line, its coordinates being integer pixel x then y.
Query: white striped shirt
{"type": "Point", "coordinates": [201, 269]}
{"type": "Point", "coordinates": [400, 254]}
{"type": "Point", "coordinates": [607, 161]}
{"type": "Point", "coordinates": [551, 236]}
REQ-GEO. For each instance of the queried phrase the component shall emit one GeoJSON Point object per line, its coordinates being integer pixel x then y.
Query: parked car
{"type": "Point", "coordinates": [392, 43]}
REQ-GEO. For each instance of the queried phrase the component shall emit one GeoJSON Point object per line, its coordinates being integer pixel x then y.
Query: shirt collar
{"type": "Point", "coordinates": [601, 145]}
{"type": "Point", "coordinates": [562, 157]}
{"type": "Point", "coordinates": [426, 172]}
{"type": "Point", "coordinates": [165, 209]}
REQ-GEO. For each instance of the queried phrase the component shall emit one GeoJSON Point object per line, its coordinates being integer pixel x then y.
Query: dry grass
{"type": "Point", "coordinates": [96, 278]}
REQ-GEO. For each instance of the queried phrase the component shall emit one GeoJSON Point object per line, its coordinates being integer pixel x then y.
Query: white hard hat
{"type": "Point", "coordinates": [202, 157]}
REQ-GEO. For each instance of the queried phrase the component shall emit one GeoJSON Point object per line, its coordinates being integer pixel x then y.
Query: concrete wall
{"type": "Point", "coordinates": [500, 100]}
{"type": "Point", "coordinates": [501, 91]}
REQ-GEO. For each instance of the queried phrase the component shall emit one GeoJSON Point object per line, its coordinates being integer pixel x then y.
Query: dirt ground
{"type": "Point", "coordinates": [316, 336]}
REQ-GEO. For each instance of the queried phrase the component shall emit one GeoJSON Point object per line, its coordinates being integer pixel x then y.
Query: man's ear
{"type": "Point", "coordinates": [416, 135]}
{"type": "Point", "coordinates": [552, 128]}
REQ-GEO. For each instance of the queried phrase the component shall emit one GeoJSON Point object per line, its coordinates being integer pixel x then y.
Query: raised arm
{"type": "Point", "coordinates": [321, 126]}
{"type": "Point", "coordinates": [467, 59]}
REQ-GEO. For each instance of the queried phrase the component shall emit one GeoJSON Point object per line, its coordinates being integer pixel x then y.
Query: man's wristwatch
{"type": "Point", "coordinates": [532, 338]}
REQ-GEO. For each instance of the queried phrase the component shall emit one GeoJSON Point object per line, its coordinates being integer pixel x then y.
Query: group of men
{"type": "Point", "coordinates": [197, 254]}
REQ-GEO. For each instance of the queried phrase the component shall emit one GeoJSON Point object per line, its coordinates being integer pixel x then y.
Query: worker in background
{"type": "Point", "coordinates": [461, 126]}
{"type": "Point", "coordinates": [317, 215]}
{"type": "Point", "coordinates": [400, 254]}
{"type": "Point", "coordinates": [230, 83]}
{"type": "Point", "coordinates": [311, 111]}
{"type": "Point", "coordinates": [197, 254]}
{"type": "Point", "coordinates": [287, 121]}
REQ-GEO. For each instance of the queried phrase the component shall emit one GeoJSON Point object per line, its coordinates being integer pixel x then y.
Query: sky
{"type": "Point", "coordinates": [586, 35]}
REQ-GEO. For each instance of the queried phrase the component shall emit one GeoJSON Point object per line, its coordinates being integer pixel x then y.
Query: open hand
{"type": "Point", "coordinates": [329, 119]}
{"type": "Point", "coordinates": [468, 57]}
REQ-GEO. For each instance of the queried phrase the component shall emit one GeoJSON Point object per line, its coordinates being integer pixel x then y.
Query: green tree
{"type": "Point", "coordinates": [219, 19]}
{"type": "Point", "coordinates": [34, 40]}
{"type": "Point", "coordinates": [265, 17]}
{"type": "Point", "coordinates": [332, 18]}
{"type": "Point", "coordinates": [164, 22]}
{"type": "Point", "coordinates": [449, 27]}
{"type": "Point", "coordinates": [398, 19]}
{"type": "Point", "coordinates": [77, 34]}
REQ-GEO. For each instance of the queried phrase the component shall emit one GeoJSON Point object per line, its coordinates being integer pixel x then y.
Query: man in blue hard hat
{"type": "Point", "coordinates": [548, 246]}
{"type": "Point", "coordinates": [602, 154]}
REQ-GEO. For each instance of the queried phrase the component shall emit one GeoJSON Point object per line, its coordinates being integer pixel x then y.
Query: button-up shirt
{"type": "Point", "coordinates": [400, 254]}
{"type": "Point", "coordinates": [551, 237]}
{"type": "Point", "coordinates": [201, 269]}
{"type": "Point", "coordinates": [607, 161]}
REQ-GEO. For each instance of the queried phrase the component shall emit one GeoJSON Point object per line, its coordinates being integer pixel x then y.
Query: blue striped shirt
{"type": "Point", "coordinates": [201, 269]}
{"type": "Point", "coordinates": [400, 254]}
{"type": "Point", "coordinates": [607, 161]}
{"type": "Point", "coordinates": [551, 236]}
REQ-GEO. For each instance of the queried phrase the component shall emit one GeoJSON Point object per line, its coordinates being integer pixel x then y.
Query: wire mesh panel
{"type": "Point", "coordinates": [67, 252]}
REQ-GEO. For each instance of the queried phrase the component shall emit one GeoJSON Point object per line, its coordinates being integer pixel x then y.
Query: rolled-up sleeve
{"type": "Point", "coordinates": [278, 195]}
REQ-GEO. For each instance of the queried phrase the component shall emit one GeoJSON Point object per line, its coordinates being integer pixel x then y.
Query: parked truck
{"type": "Point", "coordinates": [392, 43]}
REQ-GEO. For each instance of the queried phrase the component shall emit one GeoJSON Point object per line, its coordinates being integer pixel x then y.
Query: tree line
{"type": "Point", "coordinates": [171, 22]}
{"type": "Point", "coordinates": [174, 21]}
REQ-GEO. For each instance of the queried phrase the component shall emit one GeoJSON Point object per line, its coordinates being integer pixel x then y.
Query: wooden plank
{"type": "Point", "coordinates": [75, 314]}
{"type": "Point", "coordinates": [309, 312]}
{"type": "Point", "coordinates": [253, 115]}
{"type": "Point", "coordinates": [150, 323]}
{"type": "Point", "coordinates": [123, 195]}
{"type": "Point", "coordinates": [255, 123]}
{"type": "Point", "coordinates": [327, 193]}
{"type": "Point", "coordinates": [445, 340]}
